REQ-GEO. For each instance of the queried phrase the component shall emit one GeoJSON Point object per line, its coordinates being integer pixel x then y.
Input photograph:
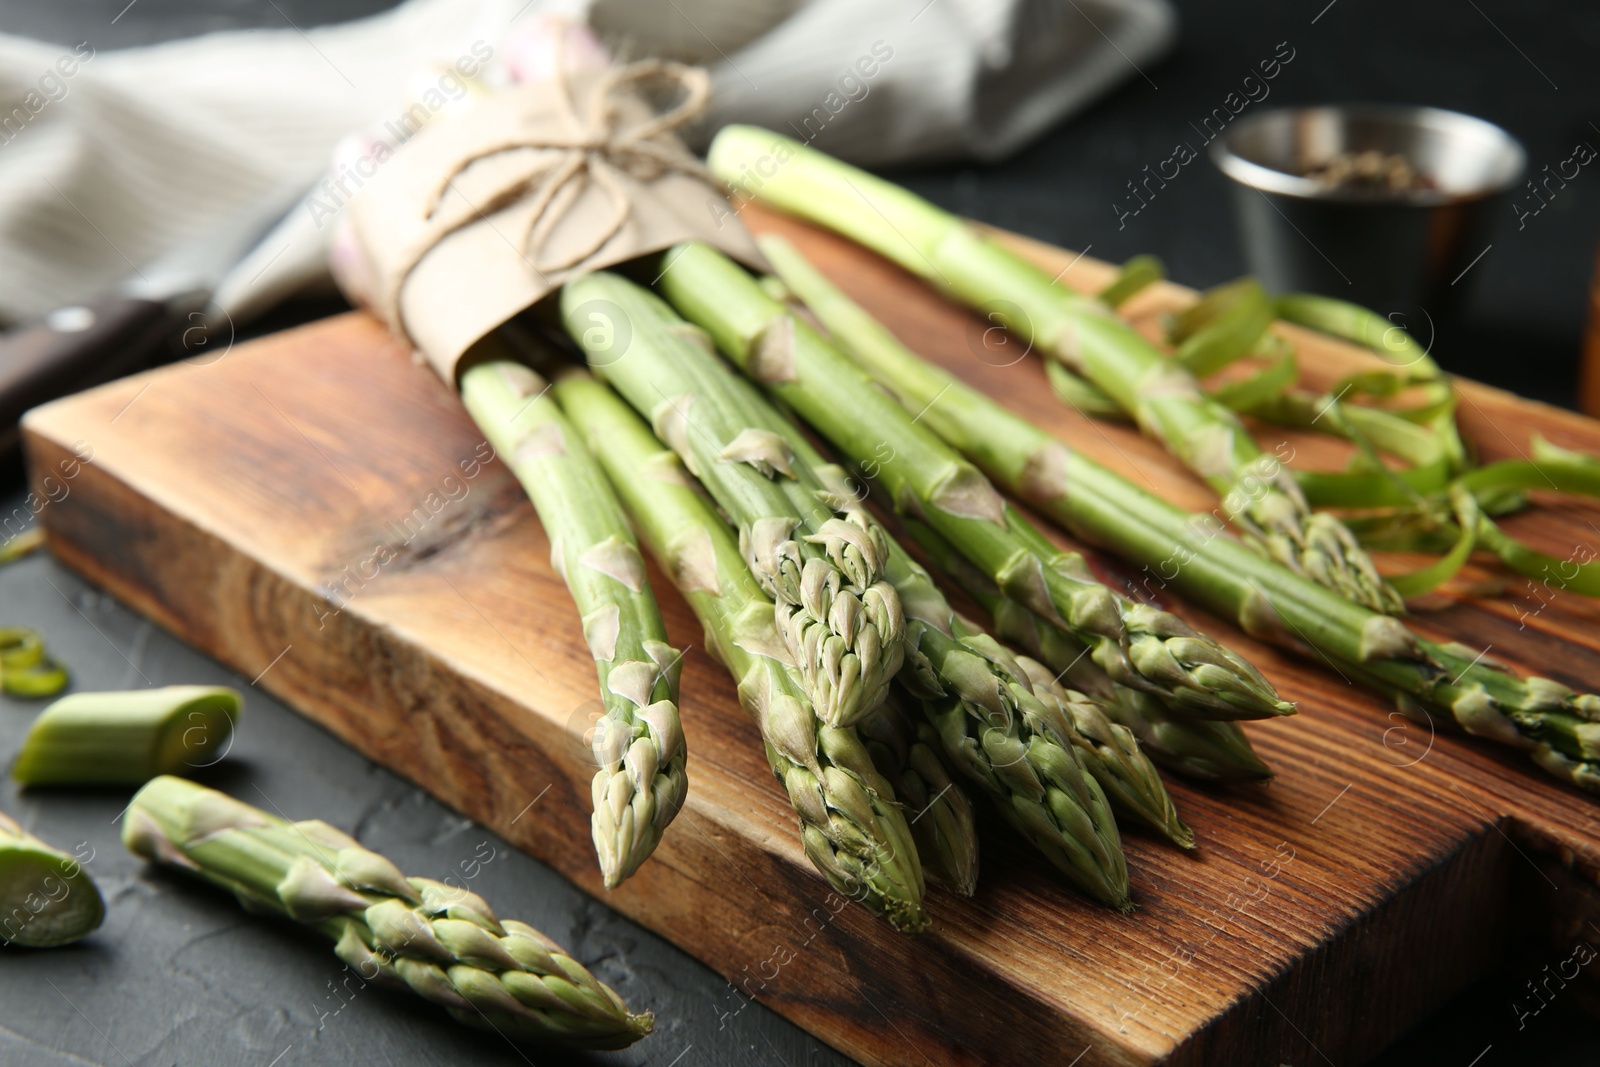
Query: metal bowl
{"type": "Point", "coordinates": [1379, 247]}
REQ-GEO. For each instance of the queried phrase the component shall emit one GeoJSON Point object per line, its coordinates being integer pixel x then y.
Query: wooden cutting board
{"type": "Point", "coordinates": [244, 505]}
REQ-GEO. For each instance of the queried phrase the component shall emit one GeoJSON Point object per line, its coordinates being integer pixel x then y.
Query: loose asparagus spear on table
{"type": "Point", "coordinates": [840, 621]}
{"type": "Point", "coordinates": [852, 827]}
{"type": "Point", "coordinates": [639, 745]}
{"type": "Point", "coordinates": [46, 897]}
{"type": "Point", "coordinates": [1559, 728]}
{"type": "Point", "coordinates": [1137, 645]}
{"type": "Point", "coordinates": [1258, 493]}
{"type": "Point", "coordinates": [445, 943]}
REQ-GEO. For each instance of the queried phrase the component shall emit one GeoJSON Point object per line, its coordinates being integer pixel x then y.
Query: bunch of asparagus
{"type": "Point", "coordinates": [1048, 768]}
{"type": "Point", "coordinates": [1557, 726]}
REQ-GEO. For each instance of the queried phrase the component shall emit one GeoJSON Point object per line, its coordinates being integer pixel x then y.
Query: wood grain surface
{"type": "Point", "coordinates": [245, 506]}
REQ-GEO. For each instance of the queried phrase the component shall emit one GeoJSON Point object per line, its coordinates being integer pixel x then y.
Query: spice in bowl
{"type": "Point", "coordinates": [1371, 171]}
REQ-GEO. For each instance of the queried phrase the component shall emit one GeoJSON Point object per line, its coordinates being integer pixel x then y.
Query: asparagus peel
{"type": "Point", "coordinates": [127, 738]}
{"type": "Point", "coordinates": [26, 669]}
{"type": "Point", "coordinates": [445, 943]}
{"type": "Point", "coordinates": [639, 746]}
{"type": "Point", "coordinates": [924, 477]}
{"type": "Point", "coordinates": [1258, 493]}
{"type": "Point", "coordinates": [852, 828]}
{"type": "Point", "coordinates": [841, 623]}
{"type": "Point", "coordinates": [46, 897]}
{"type": "Point", "coordinates": [1559, 728]}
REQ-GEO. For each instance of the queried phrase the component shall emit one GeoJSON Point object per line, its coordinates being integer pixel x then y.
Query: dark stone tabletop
{"type": "Point", "coordinates": [180, 975]}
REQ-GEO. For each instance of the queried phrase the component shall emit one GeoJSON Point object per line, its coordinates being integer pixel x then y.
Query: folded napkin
{"type": "Point", "coordinates": [108, 159]}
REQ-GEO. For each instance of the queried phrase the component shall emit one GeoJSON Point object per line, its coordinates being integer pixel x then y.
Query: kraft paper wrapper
{"type": "Point", "coordinates": [474, 278]}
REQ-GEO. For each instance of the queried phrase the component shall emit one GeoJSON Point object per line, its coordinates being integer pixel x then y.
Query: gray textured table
{"type": "Point", "coordinates": [179, 975]}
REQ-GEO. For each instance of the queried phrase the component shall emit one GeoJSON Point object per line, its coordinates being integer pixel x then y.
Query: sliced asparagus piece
{"type": "Point", "coordinates": [906, 753]}
{"type": "Point", "coordinates": [852, 827]}
{"type": "Point", "coordinates": [1258, 493]}
{"type": "Point", "coordinates": [1137, 645]}
{"type": "Point", "coordinates": [26, 669]}
{"type": "Point", "coordinates": [443, 942]}
{"type": "Point", "coordinates": [1196, 748]}
{"type": "Point", "coordinates": [841, 623]}
{"type": "Point", "coordinates": [127, 738]}
{"type": "Point", "coordinates": [16, 546]}
{"type": "Point", "coordinates": [639, 747]}
{"type": "Point", "coordinates": [1557, 726]}
{"type": "Point", "coordinates": [46, 897]}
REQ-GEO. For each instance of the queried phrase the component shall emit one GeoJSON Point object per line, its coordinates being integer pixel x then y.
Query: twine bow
{"type": "Point", "coordinates": [598, 146]}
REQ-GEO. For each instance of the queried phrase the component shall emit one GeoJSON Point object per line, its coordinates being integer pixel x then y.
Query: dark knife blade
{"type": "Point", "coordinates": [125, 331]}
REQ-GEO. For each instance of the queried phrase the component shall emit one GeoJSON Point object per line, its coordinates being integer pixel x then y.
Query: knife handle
{"type": "Point", "coordinates": [74, 348]}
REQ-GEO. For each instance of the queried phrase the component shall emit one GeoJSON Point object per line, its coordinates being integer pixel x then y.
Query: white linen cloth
{"type": "Point", "coordinates": [108, 159]}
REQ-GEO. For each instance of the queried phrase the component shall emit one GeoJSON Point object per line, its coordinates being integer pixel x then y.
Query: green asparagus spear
{"type": "Point", "coordinates": [906, 753]}
{"type": "Point", "coordinates": [1557, 726]}
{"type": "Point", "coordinates": [127, 738]}
{"type": "Point", "coordinates": [1258, 493]}
{"type": "Point", "coordinates": [46, 897]}
{"type": "Point", "coordinates": [1196, 748]}
{"type": "Point", "coordinates": [639, 746]}
{"type": "Point", "coordinates": [443, 942]}
{"type": "Point", "coordinates": [841, 623]}
{"type": "Point", "coordinates": [852, 827]}
{"type": "Point", "coordinates": [1111, 754]}
{"type": "Point", "coordinates": [1005, 739]}
{"type": "Point", "coordinates": [1135, 644]}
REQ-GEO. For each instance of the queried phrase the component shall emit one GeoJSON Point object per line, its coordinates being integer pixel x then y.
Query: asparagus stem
{"type": "Point", "coordinates": [639, 747]}
{"type": "Point", "coordinates": [905, 752]}
{"type": "Point", "coordinates": [841, 623]}
{"type": "Point", "coordinates": [1259, 494]}
{"type": "Point", "coordinates": [46, 897]}
{"type": "Point", "coordinates": [1559, 728]}
{"type": "Point", "coordinates": [1135, 644]}
{"type": "Point", "coordinates": [26, 669]}
{"type": "Point", "coordinates": [445, 943]}
{"type": "Point", "coordinates": [18, 545]}
{"type": "Point", "coordinates": [127, 738]}
{"type": "Point", "coordinates": [852, 828]}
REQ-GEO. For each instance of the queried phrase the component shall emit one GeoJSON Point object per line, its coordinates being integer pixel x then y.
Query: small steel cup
{"type": "Point", "coordinates": [1377, 247]}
